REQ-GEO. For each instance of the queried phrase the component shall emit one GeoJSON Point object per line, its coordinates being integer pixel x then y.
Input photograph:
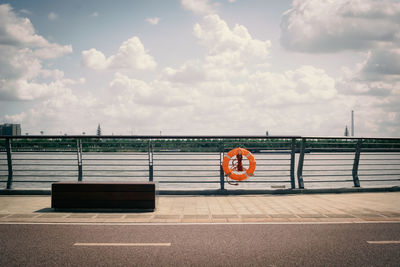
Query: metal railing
{"type": "Point", "coordinates": [190, 162]}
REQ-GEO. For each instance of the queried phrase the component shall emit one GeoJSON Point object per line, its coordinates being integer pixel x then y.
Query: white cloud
{"type": "Point", "coordinates": [25, 11]}
{"type": "Point", "coordinates": [215, 34]}
{"type": "Point", "coordinates": [227, 91]}
{"type": "Point", "coordinates": [52, 16]}
{"type": "Point", "coordinates": [131, 56]}
{"type": "Point", "coordinates": [94, 59]}
{"type": "Point", "coordinates": [333, 25]}
{"type": "Point", "coordinates": [94, 14]}
{"type": "Point", "coordinates": [199, 7]}
{"type": "Point", "coordinates": [190, 72]}
{"type": "Point", "coordinates": [153, 21]}
{"type": "Point", "coordinates": [22, 52]}
{"type": "Point", "coordinates": [371, 27]}
{"type": "Point", "coordinates": [382, 64]}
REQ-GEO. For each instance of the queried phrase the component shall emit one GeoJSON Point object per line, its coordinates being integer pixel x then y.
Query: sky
{"type": "Point", "coordinates": [201, 67]}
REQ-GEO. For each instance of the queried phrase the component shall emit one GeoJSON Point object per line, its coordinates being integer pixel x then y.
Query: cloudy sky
{"type": "Point", "coordinates": [201, 66]}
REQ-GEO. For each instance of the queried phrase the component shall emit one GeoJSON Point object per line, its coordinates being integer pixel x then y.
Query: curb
{"type": "Point", "coordinates": [230, 192]}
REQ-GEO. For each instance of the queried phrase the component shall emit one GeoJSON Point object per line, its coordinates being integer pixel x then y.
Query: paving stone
{"type": "Point", "coordinates": [391, 214]}
{"type": "Point", "coordinates": [283, 215]}
{"type": "Point", "coordinates": [110, 216]}
{"type": "Point", "coordinates": [167, 216]}
{"type": "Point", "coordinates": [311, 215]}
{"type": "Point", "coordinates": [254, 216]}
{"type": "Point", "coordinates": [196, 217]}
{"type": "Point", "coordinates": [218, 216]}
{"type": "Point", "coordinates": [21, 216]}
{"type": "Point", "coordinates": [81, 216]}
{"type": "Point", "coordinates": [138, 216]}
{"type": "Point", "coordinates": [52, 215]}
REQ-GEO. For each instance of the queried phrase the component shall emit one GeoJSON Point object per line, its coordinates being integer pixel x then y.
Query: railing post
{"type": "Point", "coordinates": [300, 165]}
{"type": "Point", "coordinates": [292, 163]}
{"type": "Point", "coordinates": [150, 149]}
{"type": "Point", "coordinates": [355, 164]}
{"type": "Point", "coordinates": [221, 170]}
{"type": "Point", "coordinates": [79, 157]}
{"type": "Point", "coordinates": [9, 163]}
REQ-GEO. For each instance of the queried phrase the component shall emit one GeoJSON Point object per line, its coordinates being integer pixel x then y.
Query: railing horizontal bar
{"type": "Point", "coordinates": [43, 175]}
{"type": "Point", "coordinates": [328, 181]}
{"type": "Point", "coordinates": [115, 176]}
{"type": "Point", "coordinates": [157, 170]}
{"type": "Point", "coordinates": [186, 182]}
{"type": "Point", "coordinates": [379, 159]}
{"type": "Point", "coordinates": [275, 159]}
{"type": "Point", "coordinates": [175, 159]}
{"type": "Point", "coordinates": [277, 175]}
{"type": "Point", "coordinates": [381, 154]}
{"type": "Point", "coordinates": [264, 181]}
{"type": "Point", "coordinates": [285, 149]}
{"type": "Point", "coordinates": [47, 153]}
{"type": "Point", "coordinates": [331, 149]}
{"type": "Point", "coordinates": [39, 170]}
{"type": "Point", "coordinates": [102, 170]}
{"type": "Point", "coordinates": [327, 165]}
{"type": "Point", "coordinates": [379, 180]}
{"type": "Point", "coordinates": [285, 170]}
{"type": "Point", "coordinates": [260, 164]}
{"type": "Point", "coordinates": [325, 159]}
{"type": "Point", "coordinates": [187, 165]}
{"type": "Point", "coordinates": [31, 151]}
{"type": "Point", "coordinates": [35, 181]}
{"type": "Point", "coordinates": [330, 154]}
{"type": "Point", "coordinates": [381, 143]}
{"type": "Point", "coordinates": [382, 148]}
{"type": "Point", "coordinates": [116, 153]}
{"type": "Point", "coordinates": [116, 165]}
{"type": "Point", "coordinates": [108, 159]}
{"type": "Point", "coordinates": [377, 164]}
{"type": "Point", "coordinates": [187, 153]}
{"type": "Point", "coordinates": [41, 164]}
{"type": "Point", "coordinates": [378, 170]}
{"type": "Point", "coordinates": [326, 170]}
{"type": "Point", "coordinates": [325, 175]}
{"type": "Point", "coordinates": [379, 174]}
{"type": "Point", "coordinates": [50, 159]}
{"type": "Point", "coordinates": [183, 176]}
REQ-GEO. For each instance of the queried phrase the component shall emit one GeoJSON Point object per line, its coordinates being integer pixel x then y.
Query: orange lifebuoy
{"type": "Point", "coordinates": [246, 173]}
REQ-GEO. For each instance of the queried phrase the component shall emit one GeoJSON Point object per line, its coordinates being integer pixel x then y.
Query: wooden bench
{"type": "Point", "coordinates": [98, 195]}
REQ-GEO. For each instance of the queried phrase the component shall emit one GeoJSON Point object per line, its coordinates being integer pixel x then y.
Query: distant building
{"type": "Point", "coordinates": [10, 129]}
{"type": "Point", "coordinates": [346, 131]}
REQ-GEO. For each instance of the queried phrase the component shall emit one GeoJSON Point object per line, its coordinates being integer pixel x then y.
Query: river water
{"type": "Point", "coordinates": [177, 170]}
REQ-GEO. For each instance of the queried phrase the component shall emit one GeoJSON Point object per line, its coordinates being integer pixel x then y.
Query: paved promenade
{"type": "Point", "coordinates": [348, 207]}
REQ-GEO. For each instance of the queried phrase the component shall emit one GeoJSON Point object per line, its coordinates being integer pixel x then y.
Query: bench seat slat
{"type": "Point", "coordinates": [103, 204]}
{"type": "Point", "coordinates": [103, 187]}
{"type": "Point", "coordinates": [112, 196]}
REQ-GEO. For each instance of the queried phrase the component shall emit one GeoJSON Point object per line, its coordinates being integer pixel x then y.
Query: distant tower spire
{"type": "Point", "coordinates": [98, 130]}
{"type": "Point", "coordinates": [346, 131]}
{"type": "Point", "coordinates": [352, 123]}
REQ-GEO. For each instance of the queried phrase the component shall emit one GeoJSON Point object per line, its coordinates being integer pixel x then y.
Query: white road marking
{"type": "Point", "coordinates": [124, 244]}
{"type": "Point", "coordinates": [206, 223]}
{"type": "Point", "coordinates": [384, 242]}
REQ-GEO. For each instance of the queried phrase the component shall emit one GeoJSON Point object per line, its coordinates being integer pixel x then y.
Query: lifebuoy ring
{"type": "Point", "coordinates": [246, 173]}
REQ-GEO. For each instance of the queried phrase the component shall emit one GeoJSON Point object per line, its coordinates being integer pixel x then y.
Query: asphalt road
{"type": "Point", "coordinates": [200, 245]}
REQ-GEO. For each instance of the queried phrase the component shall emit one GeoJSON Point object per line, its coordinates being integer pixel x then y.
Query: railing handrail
{"type": "Point", "coordinates": [151, 136]}
{"type": "Point", "coordinates": [305, 147]}
{"type": "Point", "coordinates": [193, 137]}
